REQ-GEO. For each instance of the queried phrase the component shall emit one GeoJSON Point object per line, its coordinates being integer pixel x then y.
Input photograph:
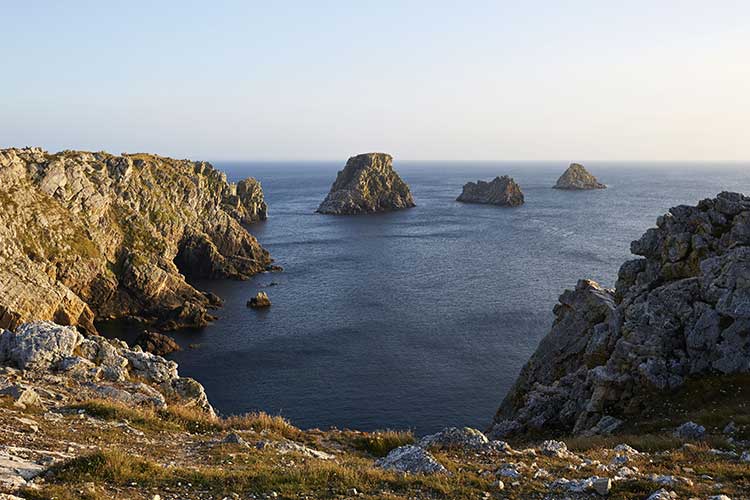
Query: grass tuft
{"type": "Point", "coordinates": [380, 443]}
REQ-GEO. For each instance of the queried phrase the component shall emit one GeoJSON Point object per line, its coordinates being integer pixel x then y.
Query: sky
{"type": "Point", "coordinates": [422, 80]}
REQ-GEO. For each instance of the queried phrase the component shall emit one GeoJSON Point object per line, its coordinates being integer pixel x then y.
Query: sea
{"type": "Point", "coordinates": [421, 318]}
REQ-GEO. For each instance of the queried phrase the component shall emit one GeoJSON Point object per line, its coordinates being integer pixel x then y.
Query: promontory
{"type": "Point", "coordinates": [367, 184]}
{"type": "Point", "coordinates": [576, 177]}
{"type": "Point", "coordinates": [89, 236]}
{"type": "Point", "coordinates": [501, 191]}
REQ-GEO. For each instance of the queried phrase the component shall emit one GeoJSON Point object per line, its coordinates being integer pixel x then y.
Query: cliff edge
{"type": "Point", "coordinates": [87, 236]}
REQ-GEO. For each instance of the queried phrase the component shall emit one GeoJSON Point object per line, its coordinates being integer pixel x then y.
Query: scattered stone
{"type": "Point", "coordinates": [367, 184]}
{"type": "Point", "coordinates": [730, 429]}
{"type": "Point", "coordinates": [602, 485]}
{"type": "Point", "coordinates": [662, 494]}
{"type": "Point", "coordinates": [22, 396]}
{"type": "Point", "coordinates": [412, 459]}
{"type": "Point", "coordinates": [260, 301]}
{"type": "Point", "coordinates": [454, 437]}
{"type": "Point", "coordinates": [576, 177]}
{"type": "Point", "coordinates": [626, 449]}
{"type": "Point", "coordinates": [501, 191]}
{"type": "Point", "coordinates": [553, 448]}
{"type": "Point", "coordinates": [690, 430]}
{"type": "Point", "coordinates": [234, 438]}
{"type": "Point", "coordinates": [745, 457]}
{"type": "Point", "coordinates": [508, 470]}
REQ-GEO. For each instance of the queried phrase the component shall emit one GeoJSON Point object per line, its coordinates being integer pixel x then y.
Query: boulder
{"type": "Point", "coordinates": [576, 177]}
{"type": "Point", "coordinates": [156, 343]}
{"type": "Point", "coordinates": [454, 437]}
{"type": "Point", "coordinates": [502, 191]}
{"type": "Point", "coordinates": [690, 430]}
{"type": "Point", "coordinates": [260, 301]}
{"type": "Point", "coordinates": [367, 184]}
{"type": "Point", "coordinates": [412, 459]}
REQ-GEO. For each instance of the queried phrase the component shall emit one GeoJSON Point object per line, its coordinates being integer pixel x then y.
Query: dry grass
{"type": "Point", "coordinates": [190, 419]}
{"type": "Point", "coordinates": [379, 443]}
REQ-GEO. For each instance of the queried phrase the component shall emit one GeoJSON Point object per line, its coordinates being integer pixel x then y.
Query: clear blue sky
{"type": "Point", "coordinates": [573, 80]}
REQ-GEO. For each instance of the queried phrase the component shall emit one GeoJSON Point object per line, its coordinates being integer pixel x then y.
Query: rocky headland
{"type": "Point", "coordinates": [576, 177]}
{"type": "Point", "coordinates": [502, 191]}
{"type": "Point", "coordinates": [87, 418]}
{"type": "Point", "coordinates": [367, 184]}
{"type": "Point", "coordinates": [88, 236]}
{"type": "Point", "coordinates": [678, 318]}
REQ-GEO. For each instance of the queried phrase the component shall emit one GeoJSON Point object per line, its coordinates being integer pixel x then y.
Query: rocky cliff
{"type": "Point", "coordinates": [367, 184]}
{"type": "Point", "coordinates": [502, 191]}
{"type": "Point", "coordinates": [577, 177]}
{"type": "Point", "coordinates": [678, 313]}
{"type": "Point", "coordinates": [87, 236]}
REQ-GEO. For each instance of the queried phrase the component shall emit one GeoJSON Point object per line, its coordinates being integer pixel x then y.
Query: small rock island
{"type": "Point", "coordinates": [502, 191]}
{"type": "Point", "coordinates": [576, 177]}
{"type": "Point", "coordinates": [367, 184]}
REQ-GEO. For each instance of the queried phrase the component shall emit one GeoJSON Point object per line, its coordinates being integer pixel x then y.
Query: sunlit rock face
{"type": "Point", "coordinates": [367, 184]}
{"type": "Point", "coordinates": [576, 177]}
{"type": "Point", "coordinates": [87, 236]}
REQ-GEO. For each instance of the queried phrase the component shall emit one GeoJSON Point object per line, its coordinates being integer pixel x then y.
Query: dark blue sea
{"type": "Point", "coordinates": [421, 318]}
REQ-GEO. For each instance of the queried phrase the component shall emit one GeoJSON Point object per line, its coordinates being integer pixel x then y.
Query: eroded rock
{"type": "Point", "coordinates": [501, 191]}
{"type": "Point", "coordinates": [576, 177]}
{"type": "Point", "coordinates": [367, 184]}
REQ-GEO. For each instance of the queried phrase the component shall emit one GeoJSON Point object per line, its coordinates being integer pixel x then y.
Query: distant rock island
{"type": "Point", "coordinates": [502, 191]}
{"type": "Point", "coordinates": [367, 184]}
{"type": "Point", "coordinates": [576, 177]}
{"type": "Point", "coordinates": [680, 314]}
{"type": "Point", "coordinates": [89, 236]}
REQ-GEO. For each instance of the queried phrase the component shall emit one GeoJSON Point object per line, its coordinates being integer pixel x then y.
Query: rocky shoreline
{"type": "Point", "coordinates": [92, 236]}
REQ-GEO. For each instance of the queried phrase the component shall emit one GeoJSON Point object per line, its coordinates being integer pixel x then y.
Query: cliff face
{"type": "Point", "coordinates": [502, 191]}
{"type": "Point", "coordinates": [367, 184]}
{"type": "Point", "coordinates": [87, 236]}
{"type": "Point", "coordinates": [680, 311]}
{"type": "Point", "coordinates": [577, 177]}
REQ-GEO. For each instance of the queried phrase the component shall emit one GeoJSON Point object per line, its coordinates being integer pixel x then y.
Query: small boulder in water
{"type": "Point", "coordinates": [260, 301]}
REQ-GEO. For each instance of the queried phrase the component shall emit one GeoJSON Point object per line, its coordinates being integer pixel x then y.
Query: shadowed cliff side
{"type": "Point", "coordinates": [681, 313]}
{"type": "Point", "coordinates": [87, 236]}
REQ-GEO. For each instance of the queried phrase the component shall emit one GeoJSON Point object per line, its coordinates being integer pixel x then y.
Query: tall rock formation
{"type": "Point", "coordinates": [87, 236]}
{"type": "Point", "coordinates": [367, 184]}
{"type": "Point", "coordinates": [680, 311]}
{"type": "Point", "coordinates": [502, 191]}
{"type": "Point", "coordinates": [576, 177]}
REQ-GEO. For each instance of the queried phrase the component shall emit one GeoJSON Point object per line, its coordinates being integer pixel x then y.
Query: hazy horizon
{"type": "Point", "coordinates": [424, 81]}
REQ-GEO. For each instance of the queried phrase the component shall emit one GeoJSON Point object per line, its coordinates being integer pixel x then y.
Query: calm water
{"type": "Point", "coordinates": [420, 318]}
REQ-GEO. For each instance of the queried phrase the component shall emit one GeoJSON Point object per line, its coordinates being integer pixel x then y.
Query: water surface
{"type": "Point", "coordinates": [420, 318]}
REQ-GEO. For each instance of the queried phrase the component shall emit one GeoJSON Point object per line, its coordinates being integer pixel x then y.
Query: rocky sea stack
{"type": "Point", "coordinates": [367, 184]}
{"type": "Point", "coordinates": [576, 177]}
{"type": "Point", "coordinates": [87, 236]}
{"type": "Point", "coordinates": [678, 315]}
{"type": "Point", "coordinates": [502, 191]}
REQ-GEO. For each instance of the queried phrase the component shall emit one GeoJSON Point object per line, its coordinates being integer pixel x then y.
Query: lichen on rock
{"type": "Point", "coordinates": [367, 184]}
